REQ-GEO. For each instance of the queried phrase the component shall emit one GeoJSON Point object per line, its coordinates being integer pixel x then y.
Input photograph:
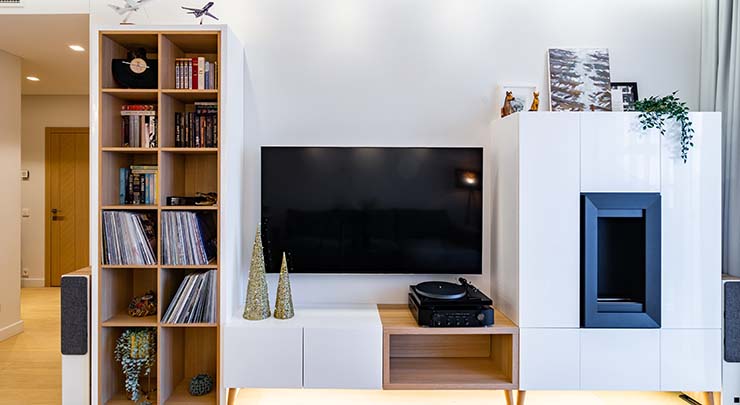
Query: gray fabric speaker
{"type": "Point", "coordinates": [74, 315]}
{"type": "Point", "coordinates": [732, 322]}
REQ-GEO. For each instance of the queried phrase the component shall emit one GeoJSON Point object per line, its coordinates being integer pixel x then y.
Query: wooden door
{"type": "Point", "coordinates": [67, 202]}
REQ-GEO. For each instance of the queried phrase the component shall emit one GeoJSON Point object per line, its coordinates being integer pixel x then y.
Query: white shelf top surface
{"type": "Point", "coordinates": [318, 316]}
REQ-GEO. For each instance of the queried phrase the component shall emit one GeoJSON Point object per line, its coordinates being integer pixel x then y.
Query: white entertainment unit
{"type": "Point", "coordinates": [543, 162]}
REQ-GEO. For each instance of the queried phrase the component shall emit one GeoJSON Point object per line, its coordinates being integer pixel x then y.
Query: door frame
{"type": "Point", "coordinates": [49, 132]}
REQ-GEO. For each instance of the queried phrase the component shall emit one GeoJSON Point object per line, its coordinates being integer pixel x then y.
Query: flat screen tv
{"type": "Point", "coordinates": [366, 210]}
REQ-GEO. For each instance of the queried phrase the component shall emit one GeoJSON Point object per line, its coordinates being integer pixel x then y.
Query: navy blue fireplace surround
{"type": "Point", "coordinates": [620, 260]}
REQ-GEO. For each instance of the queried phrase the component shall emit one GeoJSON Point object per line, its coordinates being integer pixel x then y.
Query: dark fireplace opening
{"type": "Point", "coordinates": [621, 273]}
{"type": "Point", "coordinates": [620, 260]}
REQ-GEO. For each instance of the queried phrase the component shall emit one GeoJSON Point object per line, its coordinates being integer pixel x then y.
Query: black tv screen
{"type": "Point", "coordinates": [373, 210]}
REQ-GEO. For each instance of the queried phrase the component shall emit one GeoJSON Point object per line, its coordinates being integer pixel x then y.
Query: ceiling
{"type": "Point", "coordinates": [42, 41]}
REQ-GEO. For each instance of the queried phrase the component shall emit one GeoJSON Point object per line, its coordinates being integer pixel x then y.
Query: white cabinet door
{"type": "Point", "coordinates": [263, 357]}
{"type": "Point", "coordinates": [549, 359]}
{"type": "Point", "coordinates": [617, 156]}
{"type": "Point", "coordinates": [691, 201]}
{"type": "Point", "coordinates": [549, 221]}
{"type": "Point", "coordinates": [691, 360]}
{"type": "Point", "coordinates": [620, 359]}
{"type": "Point", "coordinates": [343, 358]}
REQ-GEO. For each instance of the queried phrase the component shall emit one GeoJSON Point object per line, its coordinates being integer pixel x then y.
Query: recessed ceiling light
{"type": "Point", "coordinates": [77, 48]}
{"type": "Point", "coordinates": [32, 78]}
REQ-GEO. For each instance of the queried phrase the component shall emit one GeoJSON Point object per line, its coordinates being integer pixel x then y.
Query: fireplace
{"type": "Point", "coordinates": [620, 260]}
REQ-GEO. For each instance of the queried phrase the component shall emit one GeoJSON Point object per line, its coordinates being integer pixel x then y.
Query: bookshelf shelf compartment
{"type": "Point", "coordinates": [112, 390]}
{"type": "Point", "coordinates": [187, 174]}
{"type": "Point", "coordinates": [111, 164]}
{"type": "Point", "coordinates": [122, 285]}
{"type": "Point", "coordinates": [185, 353]}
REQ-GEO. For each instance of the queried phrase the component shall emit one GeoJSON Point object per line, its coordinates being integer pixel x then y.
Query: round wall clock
{"type": "Point", "coordinates": [136, 71]}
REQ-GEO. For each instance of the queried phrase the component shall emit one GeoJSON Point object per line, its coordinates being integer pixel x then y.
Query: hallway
{"type": "Point", "coordinates": [30, 363]}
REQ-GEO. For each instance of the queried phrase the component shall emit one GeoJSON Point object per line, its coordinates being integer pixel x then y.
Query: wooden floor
{"type": "Point", "coordinates": [30, 363]}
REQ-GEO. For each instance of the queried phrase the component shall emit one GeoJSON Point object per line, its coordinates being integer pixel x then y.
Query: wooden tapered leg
{"type": "Point", "coordinates": [509, 397]}
{"type": "Point", "coordinates": [521, 395]}
{"type": "Point", "coordinates": [233, 393]}
{"type": "Point", "coordinates": [709, 398]}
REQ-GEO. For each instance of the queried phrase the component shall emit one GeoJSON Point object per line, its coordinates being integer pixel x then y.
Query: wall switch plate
{"type": "Point", "coordinates": [24, 272]}
{"type": "Point", "coordinates": [25, 212]}
{"type": "Point", "coordinates": [25, 174]}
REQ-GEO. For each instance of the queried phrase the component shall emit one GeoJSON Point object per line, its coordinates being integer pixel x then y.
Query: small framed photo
{"type": "Point", "coordinates": [624, 96]}
{"type": "Point", "coordinates": [523, 96]}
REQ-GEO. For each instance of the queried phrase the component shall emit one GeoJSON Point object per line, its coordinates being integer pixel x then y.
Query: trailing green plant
{"type": "Point", "coordinates": [654, 112]}
{"type": "Point", "coordinates": [136, 350]}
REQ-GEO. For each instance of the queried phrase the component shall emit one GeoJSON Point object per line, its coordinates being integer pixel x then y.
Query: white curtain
{"type": "Point", "coordinates": [720, 91]}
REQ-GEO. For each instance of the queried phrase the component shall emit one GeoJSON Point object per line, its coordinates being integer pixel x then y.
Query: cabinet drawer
{"type": "Point", "coordinates": [549, 359]}
{"type": "Point", "coordinates": [691, 360]}
{"type": "Point", "coordinates": [620, 359]}
{"type": "Point", "coordinates": [263, 357]}
{"type": "Point", "coordinates": [343, 358]}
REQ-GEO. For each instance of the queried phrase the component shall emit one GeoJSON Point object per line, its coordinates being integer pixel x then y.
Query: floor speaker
{"type": "Point", "coordinates": [731, 338]}
{"type": "Point", "coordinates": [75, 317]}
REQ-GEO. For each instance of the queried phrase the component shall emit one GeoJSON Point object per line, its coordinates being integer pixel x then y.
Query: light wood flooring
{"type": "Point", "coordinates": [31, 362]}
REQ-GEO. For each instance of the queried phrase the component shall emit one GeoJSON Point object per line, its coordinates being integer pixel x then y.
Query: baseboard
{"type": "Point", "coordinates": [11, 330]}
{"type": "Point", "coordinates": [32, 282]}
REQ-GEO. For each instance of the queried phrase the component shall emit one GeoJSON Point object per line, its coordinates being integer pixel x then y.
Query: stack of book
{"type": "Point", "coordinates": [139, 126]}
{"type": "Point", "coordinates": [194, 301]}
{"type": "Point", "coordinates": [129, 238]}
{"type": "Point", "coordinates": [138, 184]}
{"type": "Point", "coordinates": [197, 127]}
{"type": "Point", "coordinates": [188, 238]}
{"type": "Point", "coordinates": [196, 74]}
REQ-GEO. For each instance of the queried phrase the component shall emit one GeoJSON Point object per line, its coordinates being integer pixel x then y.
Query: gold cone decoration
{"type": "Point", "coordinates": [257, 306]}
{"type": "Point", "coordinates": [284, 303]}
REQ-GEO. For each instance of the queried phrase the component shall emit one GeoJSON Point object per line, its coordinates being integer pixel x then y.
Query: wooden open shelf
{"type": "Point", "coordinates": [183, 350]}
{"type": "Point", "coordinates": [448, 358]}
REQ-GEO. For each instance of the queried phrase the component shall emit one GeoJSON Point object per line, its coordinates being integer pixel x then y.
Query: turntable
{"type": "Point", "coordinates": [442, 305]}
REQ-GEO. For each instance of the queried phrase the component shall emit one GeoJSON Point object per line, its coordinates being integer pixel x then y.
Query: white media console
{"type": "Point", "coordinates": [542, 164]}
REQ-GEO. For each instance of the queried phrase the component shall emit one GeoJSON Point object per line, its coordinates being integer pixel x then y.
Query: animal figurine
{"type": "Point", "coordinates": [507, 109]}
{"type": "Point", "coordinates": [535, 102]}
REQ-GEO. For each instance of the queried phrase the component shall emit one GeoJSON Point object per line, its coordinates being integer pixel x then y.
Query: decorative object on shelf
{"type": "Point", "coordinates": [206, 199]}
{"type": "Point", "coordinates": [535, 101]}
{"type": "Point", "coordinates": [136, 351]}
{"type": "Point", "coordinates": [515, 97]}
{"type": "Point", "coordinates": [579, 79]}
{"type": "Point", "coordinates": [201, 12]}
{"type": "Point", "coordinates": [507, 109]}
{"type": "Point", "coordinates": [284, 303]}
{"type": "Point", "coordinates": [136, 71]}
{"type": "Point", "coordinates": [129, 7]}
{"type": "Point", "coordinates": [143, 305]}
{"type": "Point", "coordinates": [200, 385]}
{"type": "Point", "coordinates": [624, 96]}
{"type": "Point", "coordinates": [654, 111]}
{"type": "Point", "coordinates": [257, 306]}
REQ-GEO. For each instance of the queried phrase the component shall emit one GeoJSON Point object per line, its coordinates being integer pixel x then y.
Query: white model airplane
{"type": "Point", "coordinates": [201, 12]}
{"type": "Point", "coordinates": [129, 7]}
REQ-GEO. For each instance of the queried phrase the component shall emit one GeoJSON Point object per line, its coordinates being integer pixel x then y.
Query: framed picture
{"type": "Point", "coordinates": [624, 96]}
{"type": "Point", "coordinates": [523, 96]}
{"type": "Point", "coordinates": [579, 79]}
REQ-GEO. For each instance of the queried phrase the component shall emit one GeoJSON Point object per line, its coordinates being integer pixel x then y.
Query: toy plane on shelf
{"type": "Point", "coordinates": [201, 12]}
{"type": "Point", "coordinates": [128, 8]}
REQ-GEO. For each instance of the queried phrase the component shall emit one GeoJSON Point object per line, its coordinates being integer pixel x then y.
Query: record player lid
{"type": "Point", "coordinates": [440, 290]}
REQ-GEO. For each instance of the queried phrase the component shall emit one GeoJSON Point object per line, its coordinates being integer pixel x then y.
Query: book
{"type": "Point", "coordinates": [195, 73]}
{"type": "Point", "coordinates": [194, 301]}
{"type": "Point", "coordinates": [197, 126]}
{"type": "Point", "coordinates": [189, 238]}
{"type": "Point", "coordinates": [138, 184]}
{"type": "Point", "coordinates": [139, 126]}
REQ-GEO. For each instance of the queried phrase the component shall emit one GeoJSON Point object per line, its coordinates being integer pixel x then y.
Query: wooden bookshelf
{"type": "Point", "coordinates": [184, 350]}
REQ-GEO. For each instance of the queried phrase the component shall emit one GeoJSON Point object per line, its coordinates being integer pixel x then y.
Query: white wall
{"type": "Point", "coordinates": [49, 7]}
{"type": "Point", "coordinates": [38, 113]}
{"type": "Point", "coordinates": [10, 218]}
{"type": "Point", "coordinates": [424, 72]}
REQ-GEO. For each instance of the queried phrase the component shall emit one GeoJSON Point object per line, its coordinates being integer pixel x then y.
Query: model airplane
{"type": "Point", "coordinates": [128, 8]}
{"type": "Point", "coordinates": [201, 12]}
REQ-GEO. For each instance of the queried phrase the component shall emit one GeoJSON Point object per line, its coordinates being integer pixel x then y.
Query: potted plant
{"type": "Point", "coordinates": [136, 351]}
{"type": "Point", "coordinates": [654, 111]}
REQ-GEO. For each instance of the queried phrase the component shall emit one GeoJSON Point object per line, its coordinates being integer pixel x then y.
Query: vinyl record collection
{"type": "Point", "coordinates": [139, 126]}
{"type": "Point", "coordinates": [138, 184]}
{"type": "Point", "coordinates": [197, 127]}
{"type": "Point", "coordinates": [194, 301]}
{"type": "Point", "coordinates": [188, 238]}
{"type": "Point", "coordinates": [129, 238]}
